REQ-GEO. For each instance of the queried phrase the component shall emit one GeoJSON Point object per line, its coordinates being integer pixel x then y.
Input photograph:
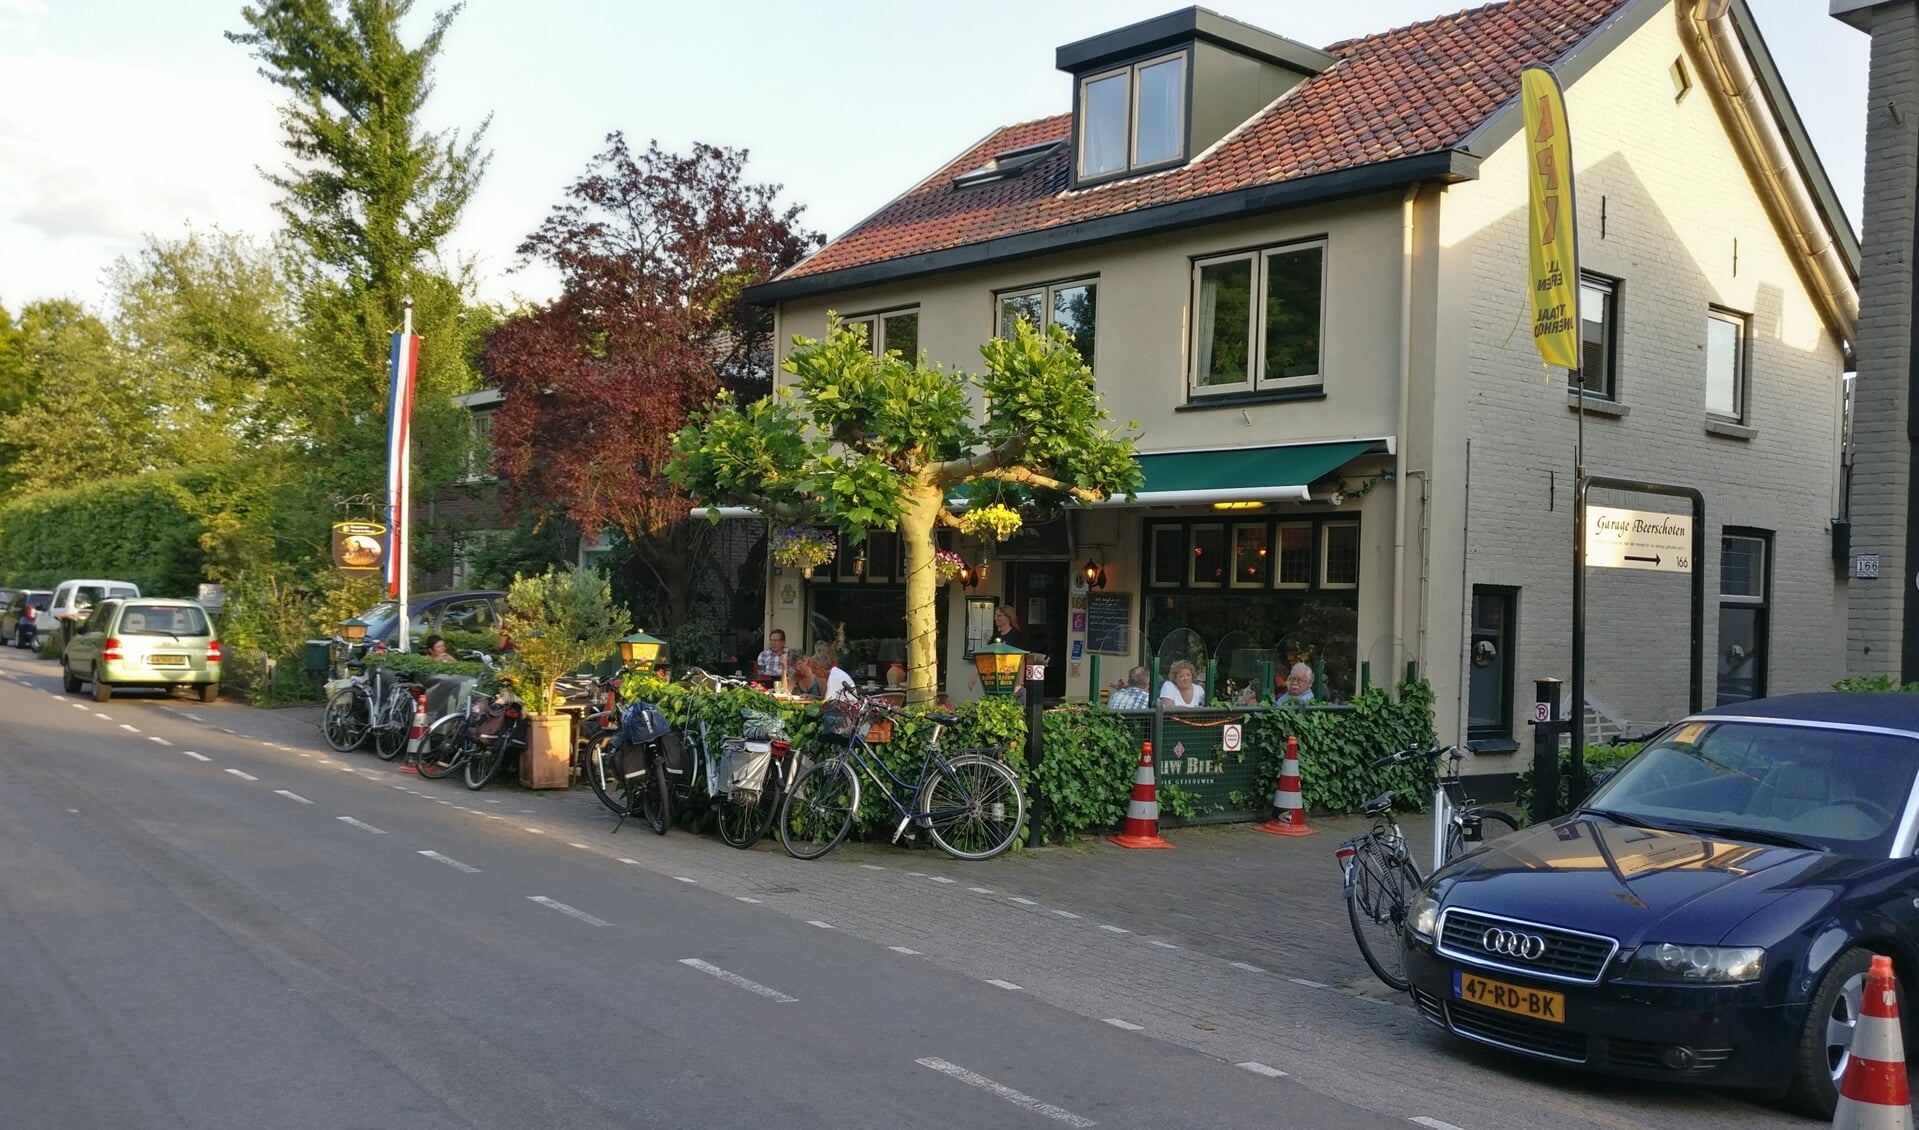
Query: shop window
{"type": "Point", "coordinates": [1209, 556]}
{"type": "Point", "coordinates": [1252, 561]}
{"type": "Point", "coordinates": [1489, 705]}
{"type": "Point", "coordinates": [1169, 556]}
{"type": "Point", "coordinates": [1295, 556]}
{"type": "Point", "coordinates": [1340, 565]}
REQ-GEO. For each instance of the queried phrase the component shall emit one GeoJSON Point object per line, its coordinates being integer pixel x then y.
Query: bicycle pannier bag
{"type": "Point", "coordinates": [743, 764]}
{"type": "Point", "coordinates": [673, 754]}
{"type": "Point", "coordinates": [642, 723]}
{"type": "Point", "coordinates": [839, 717]}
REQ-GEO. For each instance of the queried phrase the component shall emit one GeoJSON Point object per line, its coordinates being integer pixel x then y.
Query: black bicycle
{"type": "Point", "coordinates": [479, 735]}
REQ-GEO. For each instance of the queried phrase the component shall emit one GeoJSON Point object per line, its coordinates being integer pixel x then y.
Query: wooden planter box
{"type": "Point", "coordinates": [548, 760]}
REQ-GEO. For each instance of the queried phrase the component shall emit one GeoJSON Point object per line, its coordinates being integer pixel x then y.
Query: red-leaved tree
{"type": "Point", "coordinates": [654, 251]}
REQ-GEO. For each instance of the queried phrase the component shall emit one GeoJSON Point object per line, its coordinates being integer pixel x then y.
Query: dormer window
{"type": "Point", "coordinates": [1132, 117]}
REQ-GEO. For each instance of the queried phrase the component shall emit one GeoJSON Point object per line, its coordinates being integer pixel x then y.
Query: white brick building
{"type": "Point", "coordinates": [1303, 272]}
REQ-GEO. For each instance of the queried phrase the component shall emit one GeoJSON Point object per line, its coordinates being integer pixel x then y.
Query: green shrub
{"type": "Point", "coordinates": [1871, 684]}
{"type": "Point", "coordinates": [1085, 776]}
{"type": "Point", "coordinates": [1337, 748]}
{"type": "Point", "coordinates": [1596, 758]}
{"type": "Point", "coordinates": [145, 529]}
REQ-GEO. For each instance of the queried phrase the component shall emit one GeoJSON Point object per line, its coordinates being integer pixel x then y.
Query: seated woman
{"type": "Point", "coordinates": [1181, 687]}
{"type": "Point", "coordinates": [803, 679]}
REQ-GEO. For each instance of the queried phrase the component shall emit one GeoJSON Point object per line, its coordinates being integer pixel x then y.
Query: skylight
{"type": "Point", "coordinates": [1006, 165]}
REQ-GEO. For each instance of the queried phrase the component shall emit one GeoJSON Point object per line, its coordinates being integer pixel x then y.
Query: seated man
{"type": "Point", "coordinates": [1131, 694]}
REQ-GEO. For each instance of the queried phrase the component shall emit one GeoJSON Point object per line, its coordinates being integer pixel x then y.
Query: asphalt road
{"type": "Point", "coordinates": [209, 920]}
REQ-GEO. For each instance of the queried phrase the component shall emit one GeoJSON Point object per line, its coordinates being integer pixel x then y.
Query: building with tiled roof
{"type": "Point", "coordinates": [1304, 272]}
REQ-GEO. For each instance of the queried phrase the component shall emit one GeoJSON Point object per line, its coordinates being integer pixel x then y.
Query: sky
{"type": "Point", "coordinates": [127, 119]}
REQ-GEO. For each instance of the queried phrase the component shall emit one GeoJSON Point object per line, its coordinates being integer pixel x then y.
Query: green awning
{"type": "Point", "coordinates": [1266, 474]}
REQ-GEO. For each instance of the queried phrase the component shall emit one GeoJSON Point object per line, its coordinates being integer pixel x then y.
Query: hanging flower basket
{"type": "Point", "coordinates": [803, 548]}
{"type": "Point", "coordinates": [948, 564]}
{"type": "Point", "coordinates": [995, 521]}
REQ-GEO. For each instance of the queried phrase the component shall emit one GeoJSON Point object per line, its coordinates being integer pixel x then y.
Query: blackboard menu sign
{"type": "Point", "coordinates": [1109, 623]}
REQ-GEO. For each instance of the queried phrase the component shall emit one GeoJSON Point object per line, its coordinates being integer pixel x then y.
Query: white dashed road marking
{"type": "Point", "coordinates": [738, 981]}
{"type": "Point", "coordinates": [1114, 929]}
{"type": "Point", "coordinates": [1123, 1025]}
{"type": "Point", "coordinates": [1007, 985]}
{"type": "Point", "coordinates": [570, 912]}
{"type": "Point", "coordinates": [1160, 944]}
{"type": "Point", "coordinates": [981, 890]}
{"type": "Point", "coordinates": [250, 777]}
{"type": "Point", "coordinates": [942, 879]}
{"type": "Point", "coordinates": [745, 898]}
{"type": "Point", "coordinates": [1258, 1068]}
{"type": "Point", "coordinates": [684, 879]}
{"type": "Point", "coordinates": [821, 925]}
{"type": "Point", "coordinates": [291, 795]}
{"type": "Point", "coordinates": [1024, 902]}
{"type": "Point", "coordinates": [1065, 914]}
{"type": "Point", "coordinates": [196, 756]}
{"type": "Point", "coordinates": [971, 1079]}
{"type": "Point", "coordinates": [357, 823]}
{"type": "Point", "coordinates": [1308, 984]}
{"type": "Point", "coordinates": [127, 728]}
{"type": "Point", "coordinates": [907, 950]}
{"type": "Point", "coordinates": [1432, 1123]}
{"type": "Point", "coordinates": [159, 740]}
{"type": "Point", "coordinates": [195, 717]}
{"type": "Point", "coordinates": [453, 863]}
{"type": "Point", "coordinates": [1246, 967]}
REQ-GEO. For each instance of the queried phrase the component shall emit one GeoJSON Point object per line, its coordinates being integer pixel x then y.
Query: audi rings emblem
{"type": "Point", "coordinates": [1512, 943]}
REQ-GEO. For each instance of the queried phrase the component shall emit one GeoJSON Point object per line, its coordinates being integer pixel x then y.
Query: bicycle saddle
{"type": "Point", "coordinates": [1379, 805]}
{"type": "Point", "coordinates": [944, 719]}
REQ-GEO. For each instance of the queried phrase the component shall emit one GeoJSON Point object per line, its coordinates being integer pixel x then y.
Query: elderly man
{"type": "Point", "coordinates": [1131, 694]}
{"type": "Point", "coordinates": [1299, 686]}
{"type": "Point", "coordinates": [771, 665]}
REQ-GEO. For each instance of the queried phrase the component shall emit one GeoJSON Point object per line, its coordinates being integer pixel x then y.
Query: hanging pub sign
{"type": "Point", "coordinates": [359, 547]}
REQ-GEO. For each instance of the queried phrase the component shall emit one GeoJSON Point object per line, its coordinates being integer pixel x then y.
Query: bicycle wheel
{"type": "Point", "coordinates": [818, 810]}
{"type": "Point", "coordinates": [603, 770]}
{"type": "Point", "coordinates": [1492, 824]}
{"type": "Point", "coordinates": [394, 726]}
{"type": "Point", "coordinates": [1382, 886]}
{"type": "Point", "coordinates": [343, 725]}
{"type": "Point", "coordinates": [977, 811]}
{"type": "Point", "coordinates": [484, 762]}
{"type": "Point", "coordinates": [446, 747]}
{"type": "Point", "coordinates": [651, 795]}
{"type": "Point", "coordinates": [744, 818]}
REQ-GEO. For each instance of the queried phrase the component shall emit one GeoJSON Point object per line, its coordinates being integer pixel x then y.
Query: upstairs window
{"type": "Point", "coordinates": [1257, 320]}
{"type": "Point", "coordinates": [1726, 365]}
{"type": "Point", "coordinates": [897, 330]}
{"type": "Point", "coordinates": [1598, 337]}
{"type": "Point", "coordinates": [1071, 306]}
{"type": "Point", "coordinates": [1133, 117]}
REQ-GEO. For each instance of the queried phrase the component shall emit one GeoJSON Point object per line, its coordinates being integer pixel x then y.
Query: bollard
{"type": "Point", "coordinates": [1547, 727]}
{"type": "Point", "coordinates": [1093, 686]}
{"type": "Point", "coordinates": [1035, 687]}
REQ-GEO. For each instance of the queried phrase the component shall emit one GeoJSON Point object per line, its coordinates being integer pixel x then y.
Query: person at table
{"type": "Point", "coordinates": [772, 663]}
{"type": "Point", "coordinates": [1299, 686]}
{"type": "Point", "coordinates": [1182, 687]}
{"type": "Point", "coordinates": [803, 679]}
{"type": "Point", "coordinates": [839, 684]}
{"type": "Point", "coordinates": [436, 648]}
{"type": "Point", "coordinates": [1006, 628]}
{"type": "Point", "coordinates": [1131, 694]}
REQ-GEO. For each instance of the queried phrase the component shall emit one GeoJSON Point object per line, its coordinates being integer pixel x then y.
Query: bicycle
{"type": "Point", "coordinates": [477, 735]}
{"type": "Point", "coordinates": [659, 769]}
{"type": "Point", "coordinates": [1378, 868]}
{"type": "Point", "coordinates": [367, 708]}
{"type": "Point", "coordinates": [970, 803]}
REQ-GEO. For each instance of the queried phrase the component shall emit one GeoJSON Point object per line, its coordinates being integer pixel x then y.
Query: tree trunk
{"type": "Point", "coordinates": [917, 516]}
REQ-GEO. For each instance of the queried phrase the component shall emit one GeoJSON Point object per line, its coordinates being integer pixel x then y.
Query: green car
{"type": "Point", "coordinates": [143, 642]}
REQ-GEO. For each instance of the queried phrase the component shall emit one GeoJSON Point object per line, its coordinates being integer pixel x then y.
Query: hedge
{"type": "Point", "coordinates": [145, 529]}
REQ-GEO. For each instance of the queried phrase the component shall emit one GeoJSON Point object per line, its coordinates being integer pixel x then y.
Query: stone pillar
{"type": "Point", "coordinates": [1881, 638]}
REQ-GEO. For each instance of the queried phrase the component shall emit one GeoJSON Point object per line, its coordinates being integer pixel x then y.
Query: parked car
{"type": "Point", "coordinates": [25, 617]}
{"type": "Point", "coordinates": [1707, 915]}
{"type": "Point", "coordinates": [74, 600]}
{"type": "Point", "coordinates": [436, 613]}
{"type": "Point", "coordinates": [143, 642]}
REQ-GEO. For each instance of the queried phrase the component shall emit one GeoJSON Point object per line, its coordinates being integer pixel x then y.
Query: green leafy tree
{"type": "Point", "coordinates": [560, 621]}
{"type": "Point", "coordinates": [91, 418]}
{"type": "Point", "coordinates": [864, 442]}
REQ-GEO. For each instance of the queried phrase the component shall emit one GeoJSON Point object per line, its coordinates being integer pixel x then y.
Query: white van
{"type": "Point", "coordinates": [73, 600]}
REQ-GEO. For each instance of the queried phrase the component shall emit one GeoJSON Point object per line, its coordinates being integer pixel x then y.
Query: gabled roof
{"type": "Point", "coordinates": [1396, 107]}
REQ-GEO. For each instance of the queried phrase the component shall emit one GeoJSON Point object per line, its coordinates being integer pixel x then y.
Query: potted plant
{"type": "Point", "coordinates": [559, 622]}
{"type": "Point", "coordinates": [947, 564]}
{"type": "Point", "coordinates": [802, 547]}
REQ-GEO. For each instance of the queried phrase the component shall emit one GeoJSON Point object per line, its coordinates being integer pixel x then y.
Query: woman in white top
{"type": "Point", "coordinates": [1181, 687]}
{"type": "Point", "coordinates": [839, 684]}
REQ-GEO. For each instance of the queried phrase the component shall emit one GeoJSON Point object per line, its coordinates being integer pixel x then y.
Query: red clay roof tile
{"type": "Point", "coordinates": [1417, 89]}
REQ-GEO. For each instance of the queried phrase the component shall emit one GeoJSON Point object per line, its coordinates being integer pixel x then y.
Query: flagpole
{"type": "Point", "coordinates": [402, 535]}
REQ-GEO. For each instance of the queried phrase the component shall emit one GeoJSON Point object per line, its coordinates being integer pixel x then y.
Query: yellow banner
{"type": "Point", "coordinates": [1553, 250]}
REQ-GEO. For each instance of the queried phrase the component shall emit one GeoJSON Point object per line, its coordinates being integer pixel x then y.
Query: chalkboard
{"type": "Point", "coordinates": [1109, 622]}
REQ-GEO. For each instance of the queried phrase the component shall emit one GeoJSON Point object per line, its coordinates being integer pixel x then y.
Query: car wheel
{"type": "Point", "coordinates": [209, 692]}
{"type": "Point", "coordinates": [102, 691]}
{"type": "Point", "coordinates": [68, 680]}
{"type": "Point", "coordinates": [1825, 1043]}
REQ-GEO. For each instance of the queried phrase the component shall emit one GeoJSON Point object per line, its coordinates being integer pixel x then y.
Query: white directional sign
{"type": "Point", "coordinates": [1638, 539]}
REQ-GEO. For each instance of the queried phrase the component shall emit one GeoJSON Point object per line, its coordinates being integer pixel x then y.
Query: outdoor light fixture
{"type": "Point", "coordinates": [999, 668]}
{"type": "Point", "coordinates": [1238, 505]}
{"type": "Point", "coordinates": [1095, 574]}
{"type": "Point", "coordinates": [640, 649]}
{"type": "Point", "coordinates": [353, 630]}
{"type": "Point", "coordinates": [979, 576]}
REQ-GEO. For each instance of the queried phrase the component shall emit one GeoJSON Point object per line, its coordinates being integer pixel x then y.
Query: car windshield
{"type": "Point", "coordinates": [385, 610]}
{"type": "Point", "coordinates": [1833, 787]}
{"type": "Point", "coordinates": [162, 620]}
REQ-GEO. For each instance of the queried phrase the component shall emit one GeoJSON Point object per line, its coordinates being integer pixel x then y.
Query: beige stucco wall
{"type": "Point", "coordinates": [1665, 206]}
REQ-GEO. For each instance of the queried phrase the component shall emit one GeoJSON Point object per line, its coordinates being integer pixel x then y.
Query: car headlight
{"type": "Point", "coordinates": [1422, 918]}
{"type": "Point", "coordinates": [1704, 965]}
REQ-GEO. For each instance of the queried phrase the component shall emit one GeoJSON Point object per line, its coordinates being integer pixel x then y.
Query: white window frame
{"type": "Point", "coordinates": [875, 324]}
{"type": "Point", "coordinates": [1279, 554]}
{"type": "Point", "coordinates": [1131, 71]}
{"type": "Point", "coordinates": [1193, 556]}
{"type": "Point", "coordinates": [1741, 326]}
{"type": "Point", "coordinates": [1048, 295]}
{"type": "Point", "coordinates": [1232, 556]}
{"type": "Point", "coordinates": [1256, 380]}
{"type": "Point", "coordinates": [1326, 553]}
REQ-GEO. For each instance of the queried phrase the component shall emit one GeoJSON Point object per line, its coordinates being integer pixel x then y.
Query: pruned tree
{"type": "Point", "coordinates": [864, 442]}
{"type": "Point", "coordinates": [654, 251]}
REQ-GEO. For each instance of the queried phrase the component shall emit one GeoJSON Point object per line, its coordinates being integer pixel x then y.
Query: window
{"type": "Point", "coordinates": [898, 331]}
{"type": "Point", "coordinates": [1133, 117]}
{"type": "Point", "coordinates": [1489, 699]}
{"type": "Point", "coordinates": [480, 458]}
{"type": "Point", "coordinates": [1071, 306]}
{"type": "Point", "coordinates": [1295, 555]}
{"type": "Point", "coordinates": [1598, 336]}
{"type": "Point", "coordinates": [1726, 365]}
{"type": "Point", "coordinates": [1209, 556]}
{"type": "Point", "coordinates": [1257, 320]}
{"type": "Point", "coordinates": [1168, 547]}
{"type": "Point", "coordinates": [1340, 570]}
{"type": "Point", "coordinates": [1252, 565]}
{"type": "Point", "coordinates": [1745, 588]}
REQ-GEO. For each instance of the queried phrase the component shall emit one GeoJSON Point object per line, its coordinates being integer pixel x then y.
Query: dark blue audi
{"type": "Point", "coordinates": [1708, 914]}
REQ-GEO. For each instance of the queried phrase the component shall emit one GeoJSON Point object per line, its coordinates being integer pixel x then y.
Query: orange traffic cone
{"type": "Point", "coordinates": [1289, 811]}
{"type": "Point", "coordinates": [416, 737]}
{"type": "Point", "coordinates": [1873, 1093]}
{"type": "Point", "coordinates": [1142, 812]}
